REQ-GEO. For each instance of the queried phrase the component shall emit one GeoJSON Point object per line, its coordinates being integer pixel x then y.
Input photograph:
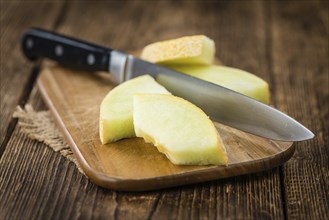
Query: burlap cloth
{"type": "Point", "coordinates": [40, 126]}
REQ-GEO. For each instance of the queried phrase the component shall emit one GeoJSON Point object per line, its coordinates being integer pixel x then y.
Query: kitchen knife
{"type": "Point", "coordinates": [223, 105]}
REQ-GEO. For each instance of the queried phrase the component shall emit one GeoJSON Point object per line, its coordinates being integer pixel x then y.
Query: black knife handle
{"type": "Point", "coordinates": [38, 43]}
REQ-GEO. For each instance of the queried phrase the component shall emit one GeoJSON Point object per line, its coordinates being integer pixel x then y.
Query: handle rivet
{"type": "Point", "coordinates": [29, 43]}
{"type": "Point", "coordinates": [91, 59]}
{"type": "Point", "coordinates": [59, 50]}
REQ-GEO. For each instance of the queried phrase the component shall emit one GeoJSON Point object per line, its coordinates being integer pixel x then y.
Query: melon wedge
{"type": "Point", "coordinates": [179, 129]}
{"type": "Point", "coordinates": [197, 49]}
{"type": "Point", "coordinates": [116, 110]}
{"type": "Point", "coordinates": [232, 78]}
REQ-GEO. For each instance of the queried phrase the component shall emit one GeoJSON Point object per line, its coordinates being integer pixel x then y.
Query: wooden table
{"type": "Point", "coordinates": [284, 42]}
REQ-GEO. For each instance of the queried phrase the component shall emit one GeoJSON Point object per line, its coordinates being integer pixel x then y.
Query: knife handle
{"type": "Point", "coordinates": [38, 43]}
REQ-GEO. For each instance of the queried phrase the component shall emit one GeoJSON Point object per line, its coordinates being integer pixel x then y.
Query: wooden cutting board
{"type": "Point", "coordinates": [74, 98]}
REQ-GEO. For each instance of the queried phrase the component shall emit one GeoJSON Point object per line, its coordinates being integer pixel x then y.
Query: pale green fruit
{"type": "Point", "coordinates": [232, 78]}
{"type": "Point", "coordinates": [197, 49]}
{"type": "Point", "coordinates": [179, 129]}
{"type": "Point", "coordinates": [116, 110]}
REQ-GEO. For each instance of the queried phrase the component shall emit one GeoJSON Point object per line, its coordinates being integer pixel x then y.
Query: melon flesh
{"type": "Point", "coordinates": [197, 49]}
{"type": "Point", "coordinates": [179, 129]}
{"type": "Point", "coordinates": [231, 78]}
{"type": "Point", "coordinates": [116, 110]}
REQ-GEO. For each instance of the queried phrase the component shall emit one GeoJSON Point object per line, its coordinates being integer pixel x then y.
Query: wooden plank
{"type": "Point", "coordinates": [16, 79]}
{"type": "Point", "coordinates": [66, 194]}
{"type": "Point", "coordinates": [37, 183]}
{"type": "Point", "coordinates": [300, 63]}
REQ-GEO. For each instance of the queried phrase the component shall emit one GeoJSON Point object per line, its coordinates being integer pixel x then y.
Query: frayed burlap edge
{"type": "Point", "coordinates": [41, 127]}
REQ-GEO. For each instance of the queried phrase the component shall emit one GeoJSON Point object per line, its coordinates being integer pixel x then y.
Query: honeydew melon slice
{"type": "Point", "coordinates": [232, 78]}
{"type": "Point", "coordinates": [116, 110]}
{"type": "Point", "coordinates": [197, 49]}
{"type": "Point", "coordinates": [179, 129]}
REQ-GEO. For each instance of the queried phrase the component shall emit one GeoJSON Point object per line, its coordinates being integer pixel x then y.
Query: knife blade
{"type": "Point", "coordinates": [221, 104]}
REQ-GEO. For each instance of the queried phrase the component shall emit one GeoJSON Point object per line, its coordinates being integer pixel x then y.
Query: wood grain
{"type": "Point", "coordinates": [238, 198]}
{"type": "Point", "coordinates": [74, 98]}
{"type": "Point", "coordinates": [300, 64]}
{"type": "Point", "coordinates": [244, 36]}
{"type": "Point", "coordinates": [66, 194]}
{"type": "Point", "coordinates": [15, 71]}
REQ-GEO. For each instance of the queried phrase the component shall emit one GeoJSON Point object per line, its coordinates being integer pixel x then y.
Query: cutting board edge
{"type": "Point", "coordinates": [153, 183]}
{"type": "Point", "coordinates": [189, 177]}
